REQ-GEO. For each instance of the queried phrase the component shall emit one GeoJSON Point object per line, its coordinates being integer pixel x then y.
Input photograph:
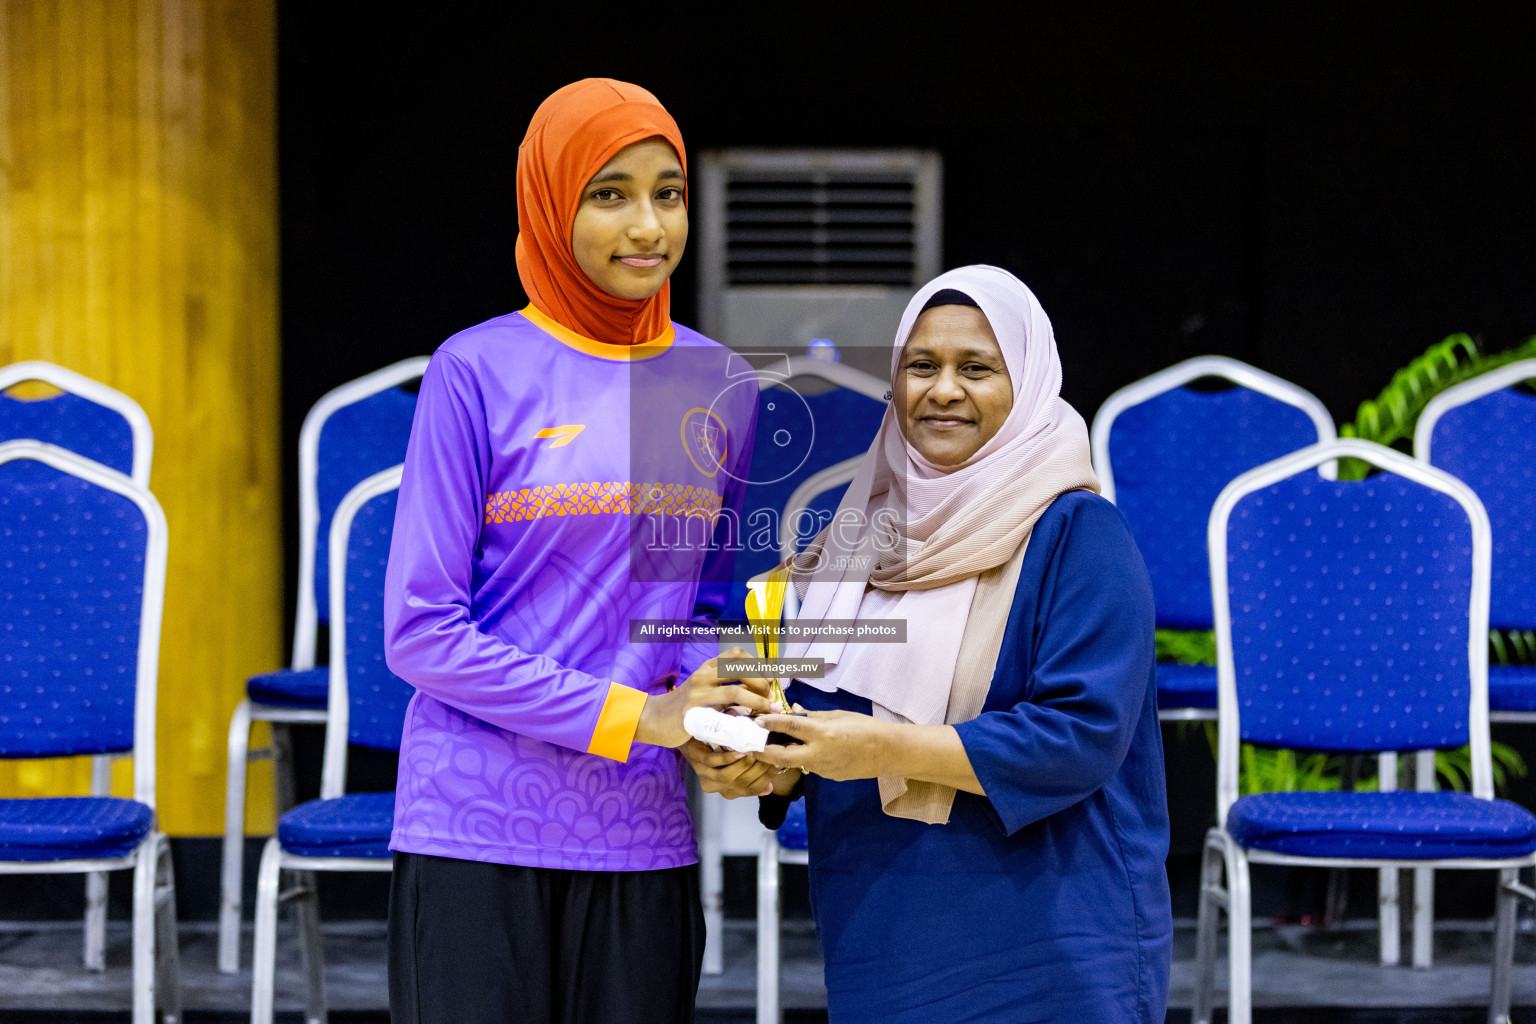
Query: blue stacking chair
{"type": "Point", "coordinates": [106, 426]}
{"type": "Point", "coordinates": [813, 418]}
{"type": "Point", "coordinates": [84, 550]}
{"type": "Point", "coordinates": [820, 495]}
{"type": "Point", "coordinates": [340, 831]}
{"type": "Point", "coordinates": [1484, 433]}
{"type": "Point", "coordinates": [359, 429]}
{"type": "Point", "coordinates": [815, 421]}
{"type": "Point", "coordinates": [1163, 451]}
{"type": "Point", "coordinates": [1352, 617]}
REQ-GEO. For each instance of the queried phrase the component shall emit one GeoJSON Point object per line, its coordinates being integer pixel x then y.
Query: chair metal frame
{"type": "Point", "coordinates": [154, 887]}
{"type": "Point", "coordinates": [95, 391]}
{"type": "Point", "coordinates": [143, 455]}
{"type": "Point", "coordinates": [711, 825]}
{"type": "Point", "coordinates": [1221, 851]}
{"type": "Point", "coordinates": [835, 475]}
{"type": "Point", "coordinates": [305, 634]}
{"type": "Point", "coordinates": [771, 854]}
{"type": "Point", "coordinates": [1175, 376]}
{"type": "Point", "coordinates": [1465, 393]}
{"type": "Point", "coordinates": [274, 859]}
{"type": "Point", "coordinates": [770, 987]}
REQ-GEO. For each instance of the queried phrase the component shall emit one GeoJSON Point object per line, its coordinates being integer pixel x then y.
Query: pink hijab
{"type": "Point", "coordinates": [921, 534]}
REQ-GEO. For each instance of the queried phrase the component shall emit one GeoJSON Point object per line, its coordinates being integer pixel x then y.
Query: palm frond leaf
{"type": "Point", "coordinates": [1392, 415]}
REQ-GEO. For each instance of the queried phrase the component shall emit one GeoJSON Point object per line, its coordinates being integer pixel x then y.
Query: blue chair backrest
{"type": "Point", "coordinates": [1171, 456]}
{"type": "Point", "coordinates": [1490, 443]}
{"type": "Point", "coordinates": [356, 441]}
{"type": "Point", "coordinates": [800, 435]}
{"type": "Point", "coordinates": [78, 424]}
{"type": "Point", "coordinates": [1350, 605]}
{"type": "Point", "coordinates": [377, 696]}
{"type": "Point", "coordinates": [794, 834]}
{"type": "Point", "coordinates": [71, 596]}
{"type": "Point", "coordinates": [818, 513]}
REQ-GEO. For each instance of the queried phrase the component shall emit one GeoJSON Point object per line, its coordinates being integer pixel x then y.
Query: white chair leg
{"type": "Point", "coordinates": [1390, 915]}
{"type": "Point", "coordinates": [1507, 903]}
{"type": "Point", "coordinates": [167, 946]}
{"type": "Point", "coordinates": [96, 921]}
{"type": "Point", "coordinates": [144, 865]}
{"type": "Point", "coordinates": [282, 767]}
{"type": "Point", "coordinates": [1211, 899]}
{"type": "Point", "coordinates": [1423, 917]}
{"type": "Point", "coordinates": [712, 880]}
{"type": "Point", "coordinates": [1388, 911]}
{"type": "Point", "coordinates": [264, 952]}
{"type": "Point", "coordinates": [1424, 878]}
{"type": "Point", "coordinates": [96, 881]}
{"type": "Point", "coordinates": [769, 1010]}
{"type": "Point", "coordinates": [232, 872]}
{"type": "Point", "coordinates": [306, 908]}
{"type": "Point", "coordinates": [1239, 939]}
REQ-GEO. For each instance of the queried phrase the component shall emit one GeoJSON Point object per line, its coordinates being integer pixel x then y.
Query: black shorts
{"type": "Point", "coordinates": [471, 942]}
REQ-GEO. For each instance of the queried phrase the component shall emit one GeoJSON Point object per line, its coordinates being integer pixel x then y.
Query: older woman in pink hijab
{"type": "Point", "coordinates": [987, 815]}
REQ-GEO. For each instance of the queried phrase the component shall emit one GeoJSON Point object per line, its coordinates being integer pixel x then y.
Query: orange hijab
{"type": "Point", "coordinates": [572, 135]}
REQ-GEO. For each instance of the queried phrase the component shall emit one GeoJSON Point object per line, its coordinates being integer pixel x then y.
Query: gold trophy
{"type": "Point", "coordinates": [765, 610]}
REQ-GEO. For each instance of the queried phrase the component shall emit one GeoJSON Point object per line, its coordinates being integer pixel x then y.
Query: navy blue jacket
{"type": "Point", "coordinates": [1047, 899]}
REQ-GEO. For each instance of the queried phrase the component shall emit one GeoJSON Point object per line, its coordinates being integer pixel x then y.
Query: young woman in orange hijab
{"type": "Point", "coordinates": [544, 853]}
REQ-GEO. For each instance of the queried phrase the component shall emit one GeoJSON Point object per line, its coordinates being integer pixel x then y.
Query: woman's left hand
{"type": "Point", "coordinates": [837, 745]}
{"type": "Point", "coordinates": [731, 774]}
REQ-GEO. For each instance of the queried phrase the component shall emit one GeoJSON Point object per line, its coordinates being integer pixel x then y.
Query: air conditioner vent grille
{"type": "Point", "coordinates": [821, 227]}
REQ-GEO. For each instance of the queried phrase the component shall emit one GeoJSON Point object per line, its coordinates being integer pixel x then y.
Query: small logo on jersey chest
{"type": "Point", "coordinates": [562, 435]}
{"type": "Point", "coordinates": [704, 440]}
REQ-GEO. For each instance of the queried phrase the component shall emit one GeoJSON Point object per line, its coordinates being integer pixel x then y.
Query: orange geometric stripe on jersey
{"type": "Point", "coordinates": [617, 497]}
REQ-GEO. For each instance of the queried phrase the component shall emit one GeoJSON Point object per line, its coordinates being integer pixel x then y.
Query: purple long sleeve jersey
{"type": "Point", "coordinates": [555, 488]}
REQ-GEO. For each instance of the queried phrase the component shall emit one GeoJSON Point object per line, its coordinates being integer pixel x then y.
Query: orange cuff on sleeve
{"type": "Point", "coordinates": [617, 723]}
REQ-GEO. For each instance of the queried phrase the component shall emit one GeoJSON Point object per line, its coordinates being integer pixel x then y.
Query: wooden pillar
{"type": "Point", "coordinates": [138, 245]}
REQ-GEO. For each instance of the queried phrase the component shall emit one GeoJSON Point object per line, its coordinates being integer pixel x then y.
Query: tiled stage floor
{"type": "Point", "coordinates": [1300, 975]}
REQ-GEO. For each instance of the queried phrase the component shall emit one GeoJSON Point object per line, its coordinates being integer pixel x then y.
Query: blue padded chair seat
{"type": "Point", "coordinates": [1403, 825]}
{"type": "Point", "coordinates": [286, 688]}
{"type": "Point", "coordinates": [795, 834]}
{"type": "Point", "coordinates": [1186, 686]}
{"type": "Point", "coordinates": [355, 825]}
{"type": "Point", "coordinates": [72, 828]}
{"type": "Point", "coordinates": [1512, 687]}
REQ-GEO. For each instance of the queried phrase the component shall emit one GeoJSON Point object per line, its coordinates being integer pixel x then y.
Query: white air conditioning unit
{"type": "Point", "coordinates": [806, 244]}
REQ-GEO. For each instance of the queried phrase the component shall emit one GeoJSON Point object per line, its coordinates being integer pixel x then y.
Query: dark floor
{"type": "Point", "coordinates": [1301, 976]}
{"type": "Point", "coordinates": [1272, 1016]}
